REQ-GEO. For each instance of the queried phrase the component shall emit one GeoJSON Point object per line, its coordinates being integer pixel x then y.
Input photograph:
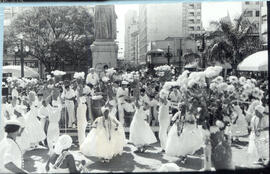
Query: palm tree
{"type": "Point", "coordinates": [233, 41]}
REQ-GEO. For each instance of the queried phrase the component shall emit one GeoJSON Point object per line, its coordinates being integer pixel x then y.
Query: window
{"type": "Point", "coordinates": [198, 28]}
{"type": "Point", "coordinates": [198, 20]}
{"type": "Point", "coordinates": [191, 28]}
{"type": "Point", "coordinates": [191, 5]}
{"type": "Point", "coordinates": [257, 13]}
{"type": "Point", "coordinates": [247, 3]}
{"type": "Point", "coordinates": [191, 13]}
{"type": "Point", "coordinates": [198, 13]}
{"type": "Point", "coordinates": [248, 14]}
{"type": "Point", "coordinates": [191, 21]}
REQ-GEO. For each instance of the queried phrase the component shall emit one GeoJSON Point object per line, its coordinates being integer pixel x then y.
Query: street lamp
{"type": "Point", "coordinates": [168, 54]}
{"type": "Point", "coordinates": [22, 51]}
{"type": "Point", "coordinates": [201, 47]}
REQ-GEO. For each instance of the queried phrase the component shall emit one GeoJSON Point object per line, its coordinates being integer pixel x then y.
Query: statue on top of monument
{"type": "Point", "coordinates": [105, 22]}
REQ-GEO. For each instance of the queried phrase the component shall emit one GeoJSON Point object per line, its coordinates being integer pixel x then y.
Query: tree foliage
{"type": "Point", "coordinates": [55, 35]}
{"type": "Point", "coordinates": [232, 42]}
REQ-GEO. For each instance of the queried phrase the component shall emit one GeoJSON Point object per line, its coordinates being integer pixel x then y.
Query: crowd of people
{"type": "Point", "coordinates": [107, 103]}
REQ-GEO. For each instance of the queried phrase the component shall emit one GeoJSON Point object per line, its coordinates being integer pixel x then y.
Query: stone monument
{"type": "Point", "coordinates": [104, 49]}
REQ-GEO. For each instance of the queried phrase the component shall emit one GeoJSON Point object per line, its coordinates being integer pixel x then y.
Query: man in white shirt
{"type": "Point", "coordinates": [92, 77]}
{"type": "Point", "coordinates": [121, 93]}
{"type": "Point", "coordinates": [11, 158]}
{"type": "Point", "coordinates": [69, 95]}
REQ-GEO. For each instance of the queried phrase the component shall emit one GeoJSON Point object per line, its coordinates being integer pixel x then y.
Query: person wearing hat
{"type": "Point", "coordinates": [62, 161]}
{"type": "Point", "coordinates": [121, 93]}
{"type": "Point", "coordinates": [184, 138]}
{"type": "Point", "coordinates": [69, 95]}
{"type": "Point", "coordinates": [11, 158]}
{"type": "Point", "coordinates": [259, 137]}
{"type": "Point", "coordinates": [92, 77]}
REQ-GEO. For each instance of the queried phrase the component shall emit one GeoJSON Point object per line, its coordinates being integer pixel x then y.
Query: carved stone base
{"type": "Point", "coordinates": [104, 52]}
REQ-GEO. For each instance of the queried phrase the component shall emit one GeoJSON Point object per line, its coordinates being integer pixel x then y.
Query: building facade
{"type": "Point", "coordinates": [264, 34]}
{"type": "Point", "coordinates": [130, 23]}
{"type": "Point", "coordinates": [192, 22]}
{"type": "Point", "coordinates": [160, 21]}
{"type": "Point", "coordinates": [252, 10]}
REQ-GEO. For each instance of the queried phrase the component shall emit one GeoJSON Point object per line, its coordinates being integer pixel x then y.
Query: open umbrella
{"type": "Point", "coordinates": [15, 70]}
{"type": "Point", "coordinates": [255, 62]}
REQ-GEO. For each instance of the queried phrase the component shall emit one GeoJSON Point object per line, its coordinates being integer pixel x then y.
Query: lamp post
{"type": "Point", "coordinates": [22, 51]}
{"type": "Point", "coordinates": [201, 47]}
{"type": "Point", "coordinates": [168, 54]}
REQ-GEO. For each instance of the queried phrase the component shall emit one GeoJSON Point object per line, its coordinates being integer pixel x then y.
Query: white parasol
{"type": "Point", "coordinates": [255, 62]}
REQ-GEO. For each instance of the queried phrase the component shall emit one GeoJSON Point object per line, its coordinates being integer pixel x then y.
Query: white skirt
{"type": "Point", "coordinates": [118, 140]}
{"type": "Point", "coordinates": [140, 131]}
{"type": "Point", "coordinates": [34, 128]}
{"type": "Point", "coordinates": [97, 144]}
{"type": "Point", "coordinates": [189, 141]}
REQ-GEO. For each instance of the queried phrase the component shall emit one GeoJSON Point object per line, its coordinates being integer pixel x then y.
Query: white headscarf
{"type": "Point", "coordinates": [64, 142]}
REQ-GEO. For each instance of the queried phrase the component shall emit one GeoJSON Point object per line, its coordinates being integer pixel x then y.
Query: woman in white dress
{"type": "Point", "coordinates": [54, 110]}
{"type": "Point", "coordinates": [258, 147]}
{"type": "Point", "coordinates": [239, 125]}
{"type": "Point", "coordinates": [33, 124]}
{"type": "Point", "coordinates": [164, 120]}
{"type": "Point", "coordinates": [141, 134]}
{"type": "Point", "coordinates": [184, 137]}
{"type": "Point", "coordinates": [105, 139]}
{"type": "Point", "coordinates": [81, 114]}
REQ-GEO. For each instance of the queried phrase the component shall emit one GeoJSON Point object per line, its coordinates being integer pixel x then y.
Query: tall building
{"type": "Point", "coordinates": [160, 21]}
{"type": "Point", "coordinates": [192, 22]}
{"type": "Point", "coordinates": [130, 22]}
{"type": "Point", "coordinates": [252, 10]}
{"type": "Point", "coordinates": [263, 31]}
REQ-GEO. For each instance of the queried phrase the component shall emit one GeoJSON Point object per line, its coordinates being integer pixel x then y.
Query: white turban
{"type": "Point", "coordinates": [63, 142]}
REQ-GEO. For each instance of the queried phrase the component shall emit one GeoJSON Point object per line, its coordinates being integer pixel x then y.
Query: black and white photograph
{"type": "Point", "coordinates": [135, 87]}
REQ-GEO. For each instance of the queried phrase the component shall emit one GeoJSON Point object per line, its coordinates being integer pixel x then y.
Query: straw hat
{"type": "Point", "coordinates": [63, 142]}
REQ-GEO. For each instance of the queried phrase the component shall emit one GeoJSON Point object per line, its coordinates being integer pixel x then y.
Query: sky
{"type": "Point", "coordinates": [211, 11]}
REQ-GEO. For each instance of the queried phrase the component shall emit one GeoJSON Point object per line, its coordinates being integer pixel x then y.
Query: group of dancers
{"type": "Point", "coordinates": [138, 108]}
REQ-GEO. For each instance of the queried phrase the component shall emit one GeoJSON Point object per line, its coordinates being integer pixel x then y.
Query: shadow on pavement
{"type": "Point", "coordinates": [240, 143]}
{"type": "Point", "coordinates": [153, 155]}
{"type": "Point", "coordinates": [29, 161]}
{"type": "Point", "coordinates": [191, 163]}
{"type": "Point", "coordinates": [125, 163]}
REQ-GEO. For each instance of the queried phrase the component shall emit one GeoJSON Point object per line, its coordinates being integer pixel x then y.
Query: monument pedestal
{"type": "Point", "coordinates": [104, 52]}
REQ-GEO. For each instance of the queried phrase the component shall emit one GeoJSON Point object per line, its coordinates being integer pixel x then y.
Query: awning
{"type": "Point", "coordinates": [255, 62]}
{"type": "Point", "coordinates": [15, 70]}
{"type": "Point", "coordinates": [155, 51]}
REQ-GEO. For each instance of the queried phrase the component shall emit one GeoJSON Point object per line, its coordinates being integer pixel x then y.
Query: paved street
{"type": "Point", "coordinates": [131, 162]}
